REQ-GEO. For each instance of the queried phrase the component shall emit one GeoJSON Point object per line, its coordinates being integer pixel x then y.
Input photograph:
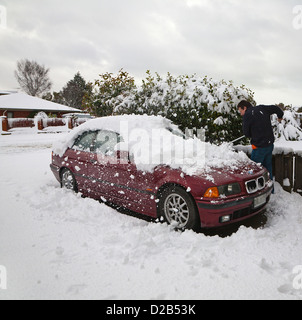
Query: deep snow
{"type": "Point", "coordinates": [57, 245]}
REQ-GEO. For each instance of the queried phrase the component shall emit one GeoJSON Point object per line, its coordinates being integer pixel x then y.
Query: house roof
{"type": "Point", "coordinates": [21, 101]}
{"type": "Point", "coordinates": [4, 92]}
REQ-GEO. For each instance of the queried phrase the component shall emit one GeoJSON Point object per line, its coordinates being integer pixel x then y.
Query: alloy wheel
{"type": "Point", "coordinates": [177, 210]}
{"type": "Point", "coordinates": [68, 181]}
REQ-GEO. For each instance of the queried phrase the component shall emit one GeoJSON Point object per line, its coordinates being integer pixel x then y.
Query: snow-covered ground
{"type": "Point", "coordinates": [56, 245]}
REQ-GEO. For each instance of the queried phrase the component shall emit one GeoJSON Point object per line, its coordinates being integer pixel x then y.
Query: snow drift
{"type": "Point", "coordinates": [57, 245]}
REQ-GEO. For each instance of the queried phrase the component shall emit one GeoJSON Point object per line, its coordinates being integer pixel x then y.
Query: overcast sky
{"type": "Point", "coordinates": [251, 42]}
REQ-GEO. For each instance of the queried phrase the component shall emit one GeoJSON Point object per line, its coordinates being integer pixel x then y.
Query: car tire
{"type": "Point", "coordinates": [178, 208]}
{"type": "Point", "coordinates": [68, 180]}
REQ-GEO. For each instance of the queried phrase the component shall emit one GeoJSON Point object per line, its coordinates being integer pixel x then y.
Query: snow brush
{"type": "Point", "coordinates": [232, 142]}
{"type": "Point", "coordinates": [238, 139]}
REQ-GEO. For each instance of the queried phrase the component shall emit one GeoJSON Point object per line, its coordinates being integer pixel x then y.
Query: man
{"type": "Point", "coordinates": [257, 126]}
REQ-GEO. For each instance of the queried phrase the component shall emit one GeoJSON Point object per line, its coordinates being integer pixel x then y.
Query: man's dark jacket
{"type": "Point", "coordinates": [257, 124]}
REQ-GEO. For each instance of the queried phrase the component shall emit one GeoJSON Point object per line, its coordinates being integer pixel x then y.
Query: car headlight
{"type": "Point", "coordinates": [226, 190]}
{"type": "Point", "coordinates": [267, 177]}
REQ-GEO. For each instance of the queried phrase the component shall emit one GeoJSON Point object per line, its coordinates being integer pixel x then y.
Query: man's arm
{"type": "Point", "coordinates": [275, 110]}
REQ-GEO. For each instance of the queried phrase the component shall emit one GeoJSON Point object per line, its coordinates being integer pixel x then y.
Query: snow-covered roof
{"type": "Point", "coordinates": [5, 92]}
{"type": "Point", "coordinates": [21, 101]}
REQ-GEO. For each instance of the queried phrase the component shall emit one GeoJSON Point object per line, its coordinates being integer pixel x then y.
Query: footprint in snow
{"type": "Point", "coordinates": [289, 290]}
{"type": "Point", "coordinates": [266, 266]}
{"type": "Point", "coordinates": [76, 289]}
{"type": "Point", "coordinates": [59, 251]}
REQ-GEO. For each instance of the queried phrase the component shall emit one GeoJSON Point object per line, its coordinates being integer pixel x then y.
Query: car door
{"type": "Point", "coordinates": [103, 166]}
{"type": "Point", "coordinates": [137, 189]}
{"type": "Point", "coordinates": [78, 159]}
{"type": "Point", "coordinates": [117, 178]}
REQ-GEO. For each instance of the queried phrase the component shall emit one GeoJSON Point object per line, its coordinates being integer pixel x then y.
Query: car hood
{"type": "Point", "coordinates": [222, 176]}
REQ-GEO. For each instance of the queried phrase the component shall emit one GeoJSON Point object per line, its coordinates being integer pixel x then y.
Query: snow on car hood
{"type": "Point", "coordinates": [153, 140]}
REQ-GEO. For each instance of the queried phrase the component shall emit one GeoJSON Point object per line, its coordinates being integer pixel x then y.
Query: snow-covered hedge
{"type": "Point", "coordinates": [189, 101]}
{"type": "Point", "coordinates": [289, 129]}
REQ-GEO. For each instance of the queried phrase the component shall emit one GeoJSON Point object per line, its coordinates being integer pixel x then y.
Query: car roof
{"type": "Point", "coordinates": [119, 123]}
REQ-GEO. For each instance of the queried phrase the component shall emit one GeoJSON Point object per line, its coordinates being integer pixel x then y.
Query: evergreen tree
{"type": "Point", "coordinates": [73, 93]}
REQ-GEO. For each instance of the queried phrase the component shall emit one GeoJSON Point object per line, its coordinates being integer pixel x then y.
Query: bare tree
{"type": "Point", "coordinates": [32, 77]}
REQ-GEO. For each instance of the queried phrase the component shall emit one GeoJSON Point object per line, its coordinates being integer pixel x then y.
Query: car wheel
{"type": "Point", "coordinates": [68, 180]}
{"type": "Point", "coordinates": [178, 208]}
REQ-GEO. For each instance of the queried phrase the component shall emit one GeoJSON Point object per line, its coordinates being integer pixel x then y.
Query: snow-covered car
{"type": "Point", "coordinates": [146, 164]}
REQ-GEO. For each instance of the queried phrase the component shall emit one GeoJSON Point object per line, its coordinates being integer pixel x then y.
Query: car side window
{"type": "Point", "coordinates": [106, 142]}
{"type": "Point", "coordinates": [85, 142]}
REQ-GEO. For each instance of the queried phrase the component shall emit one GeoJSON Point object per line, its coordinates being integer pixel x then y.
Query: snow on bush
{"type": "Point", "coordinates": [289, 129]}
{"type": "Point", "coordinates": [189, 101]}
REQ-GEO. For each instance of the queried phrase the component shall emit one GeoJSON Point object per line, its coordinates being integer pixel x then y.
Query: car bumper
{"type": "Point", "coordinates": [225, 212]}
{"type": "Point", "coordinates": [56, 171]}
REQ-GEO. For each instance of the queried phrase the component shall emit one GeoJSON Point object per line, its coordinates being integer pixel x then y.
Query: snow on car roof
{"type": "Point", "coordinates": [113, 123]}
{"type": "Point", "coordinates": [150, 144]}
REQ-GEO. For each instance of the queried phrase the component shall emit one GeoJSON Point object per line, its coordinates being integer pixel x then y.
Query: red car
{"type": "Point", "coordinates": [89, 161]}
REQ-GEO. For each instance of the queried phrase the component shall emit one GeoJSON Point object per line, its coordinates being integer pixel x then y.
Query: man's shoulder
{"type": "Point", "coordinates": [249, 114]}
{"type": "Point", "coordinates": [267, 107]}
{"type": "Point", "coordinates": [270, 109]}
{"type": "Point", "coordinates": [262, 107]}
{"type": "Point", "coordinates": [255, 113]}
{"type": "Point", "coordinates": [251, 111]}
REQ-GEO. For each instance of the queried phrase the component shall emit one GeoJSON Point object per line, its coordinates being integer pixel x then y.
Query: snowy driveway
{"type": "Point", "coordinates": [56, 245]}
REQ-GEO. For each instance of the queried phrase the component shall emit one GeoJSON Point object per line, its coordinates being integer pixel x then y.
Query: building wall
{"type": "Point", "coordinates": [16, 114]}
{"type": "Point", "coordinates": [26, 113]}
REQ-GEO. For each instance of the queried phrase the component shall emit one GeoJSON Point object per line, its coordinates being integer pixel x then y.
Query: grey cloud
{"type": "Point", "coordinates": [251, 42]}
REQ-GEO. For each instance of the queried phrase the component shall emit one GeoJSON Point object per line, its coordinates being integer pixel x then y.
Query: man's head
{"type": "Point", "coordinates": [243, 106]}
